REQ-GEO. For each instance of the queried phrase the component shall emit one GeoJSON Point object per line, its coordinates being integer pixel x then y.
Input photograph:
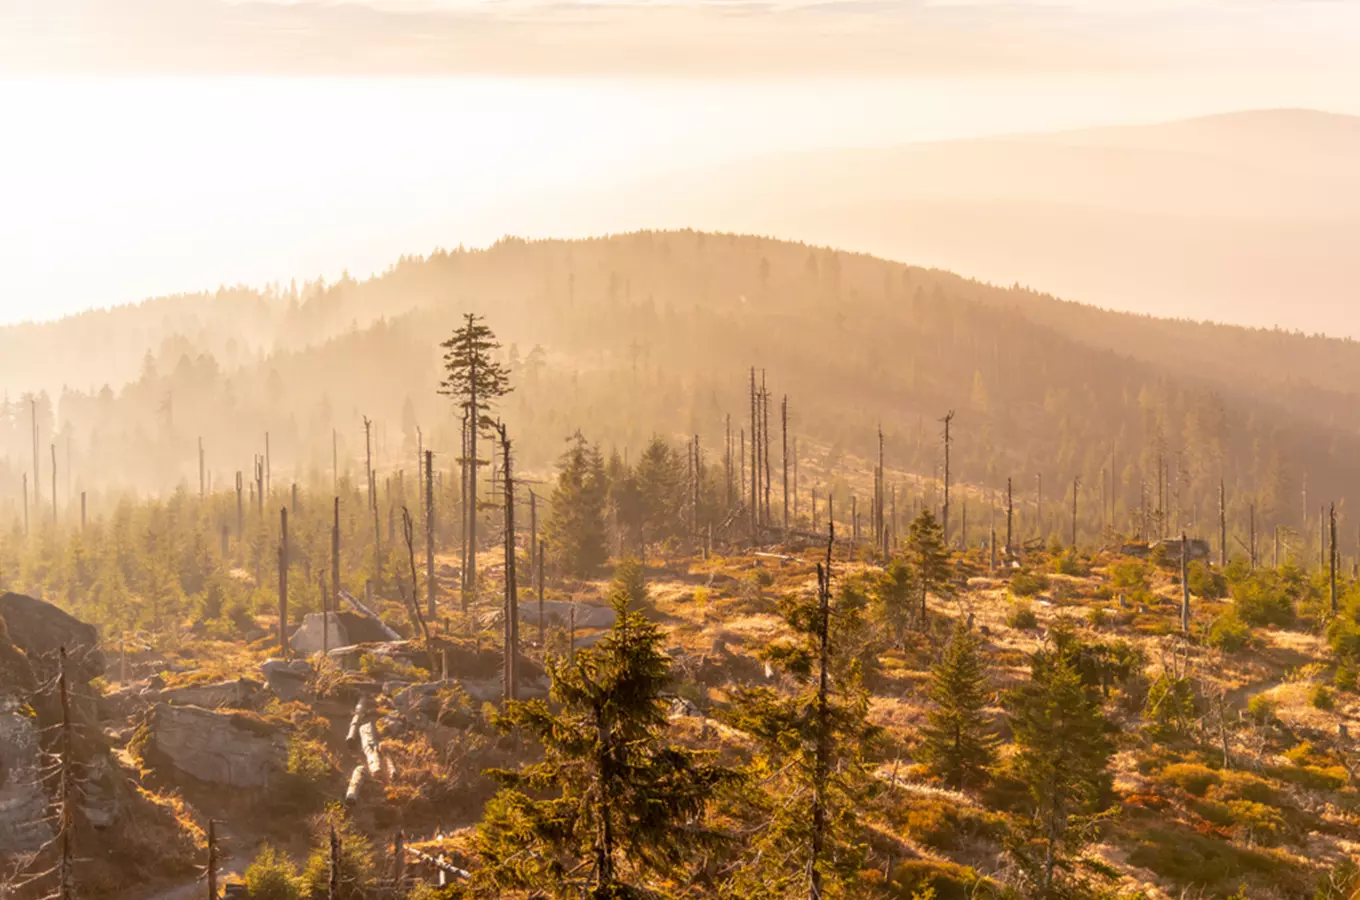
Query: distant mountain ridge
{"type": "Point", "coordinates": [1250, 218]}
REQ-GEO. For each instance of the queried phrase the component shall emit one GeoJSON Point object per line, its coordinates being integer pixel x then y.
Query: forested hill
{"type": "Point", "coordinates": [626, 336]}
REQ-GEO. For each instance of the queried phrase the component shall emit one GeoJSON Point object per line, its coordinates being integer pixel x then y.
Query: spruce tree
{"type": "Point", "coordinates": [929, 559]}
{"type": "Point", "coordinates": [474, 378]}
{"type": "Point", "coordinates": [575, 531]}
{"type": "Point", "coordinates": [611, 806]}
{"type": "Point", "coordinates": [959, 742]}
{"type": "Point", "coordinates": [895, 596]}
{"type": "Point", "coordinates": [1062, 756]}
{"type": "Point", "coordinates": [813, 765]}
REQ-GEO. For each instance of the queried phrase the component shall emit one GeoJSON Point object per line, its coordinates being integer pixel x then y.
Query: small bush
{"type": "Point", "coordinates": [1345, 678]}
{"type": "Point", "coordinates": [1229, 633]}
{"type": "Point", "coordinates": [1262, 708]}
{"type": "Point", "coordinates": [1205, 582]}
{"type": "Point", "coordinates": [1321, 698]}
{"type": "Point", "coordinates": [1097, 617]}
{"type": "Point", "coordinates": [272, 876]}
{"type": "Point", "coordinates": [1193, 778]}
{"type": "Point", "coordinates": [1021, 615]}
{"type": "Point", "coordinates": [1070, 563]}
{"type": "Point", "coordinates": [1256, 823]}
{"type": "Point", "coordinates": [1025, 583]}
{"type": "Point", "coordinates": [927, 878]}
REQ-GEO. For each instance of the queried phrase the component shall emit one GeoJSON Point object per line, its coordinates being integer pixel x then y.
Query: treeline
{"type": "Point", "coordinates": [654, 333]}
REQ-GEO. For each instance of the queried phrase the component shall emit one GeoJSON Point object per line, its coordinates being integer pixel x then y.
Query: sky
{"type": "Point", "coordinates": [159, 146]}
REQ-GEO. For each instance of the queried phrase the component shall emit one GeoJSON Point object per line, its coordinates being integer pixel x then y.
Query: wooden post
{"type": "Point", "coordinates": [431, 607]}
{"type": "Point", "coordinates": [283, 581]}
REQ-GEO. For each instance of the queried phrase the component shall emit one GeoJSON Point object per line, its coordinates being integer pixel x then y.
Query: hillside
{"type": "Point", "coordinates": [656, 332]}
{"type": "Point", "coordinates": [1246, 218]}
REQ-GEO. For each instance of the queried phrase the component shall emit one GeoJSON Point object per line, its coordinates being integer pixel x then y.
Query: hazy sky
{"type": "Point", "coordinates": [151, 146]}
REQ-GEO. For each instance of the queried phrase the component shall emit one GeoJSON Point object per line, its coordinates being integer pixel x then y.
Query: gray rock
{"type": "Point", "coordinates": [287, 678]}
{"type": "Point", "coordinates": [237, 694]}
{"type": "Point", "coordinates": [223, 748]}
{"type": "Point", "coordinates": [558, 612]}
{"type": "Point", "coordinates": [23, 804]}
{"type": "Point", "coordinates": [319, 633]}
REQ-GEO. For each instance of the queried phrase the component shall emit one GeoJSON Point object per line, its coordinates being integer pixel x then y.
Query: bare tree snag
{"type": "Point", "coordinates": [283, 581]}
{"type": "Point", "coordinates": [431, 586]}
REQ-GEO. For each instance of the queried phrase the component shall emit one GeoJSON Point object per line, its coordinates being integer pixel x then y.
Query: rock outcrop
{"type": "Point", "coordinates": [225, 748]}
{"type": "Point", "coordinates": [237, 694]}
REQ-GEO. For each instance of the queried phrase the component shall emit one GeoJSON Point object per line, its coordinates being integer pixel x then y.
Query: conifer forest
{"type": "Point", "coordinates": [675, 564]}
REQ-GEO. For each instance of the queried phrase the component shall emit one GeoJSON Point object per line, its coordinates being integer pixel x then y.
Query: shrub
{"type": "Point", "coordinates": [1025, 583]}
{"type": "Point", "coordinates": [1229, 633]}
{"type": "Point", "coordinates": [355, 862]}
{"type": "Point", "coordinates": [1345, 677]}
{"type": "Point", "coordinates": [1129, 577]}
{"type": "Point", "coordinates": [1021, 615]}
{"type": "Point", "coordinates": [1262, 708]}
{"type": "Point", "coordinates": [1097, 617]}
{"type": "Point", "coordinates": [272, 876]}
{"type": "Point", "coordinates": [1320, 697]}
{"type": "Point", "coordinates": [1193, 778]}
{"type": "Point", "coordinates": [1205, 582]}
{"type": "Point", "coordinates": [1069, 563]}
{"type": "Point", "coordinates": [1256, 823]}
{"type": "Point", "coordinates": [927, 878]}
{"type": "Point", "coordinates": [1263, 601]}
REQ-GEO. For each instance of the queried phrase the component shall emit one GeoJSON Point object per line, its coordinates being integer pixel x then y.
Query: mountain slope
{"type": "Point", "coordinates": [1248, 218]}
{"type": "Point", "coordinates": [636, 334]}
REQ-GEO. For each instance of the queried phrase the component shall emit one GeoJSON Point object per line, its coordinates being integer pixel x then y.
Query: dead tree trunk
{"type": "Point", "coordinates": [542, 637]}
{"type": "Point", "coordinates": [755, 460]}
{"type": "Point", "coordinates": [944, 526]}
{"type": "Point", "coordinates": [240, 506]}
{"type": "Point", "coordinates": [765, 435]}
{"type": "Point", "coordinates": [212, 860]}
{"type": "Point", "coordinates": [1185, 584]}
{"type": "Point", "coordinates": [784, 434]}
{"type": "Point", "coordinates": [1332, 557]}
{"type": "Point", "coordinates": [335, 549]}
{"type": "Point", "coordinates": [283, 581]}
{"type": "Point", "coordinates": [1010, 516]}
{"type": "Point", "coordinates": [511, 675]}
{"type": "Point", "coordinates": [822, 762]}
{"type": "Point", "coordinates": [202, 475]}
{"type": "Point", "coordinates": [431, 607]}
{"type": "Point", "coordinates": [66, 814]}
{"type": "Point", "coordinates": [1222, 525]}
{"type": "Point", "coordinates": [1076, 489]}
{"type": "Point", "coordinates": [413, 607]}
